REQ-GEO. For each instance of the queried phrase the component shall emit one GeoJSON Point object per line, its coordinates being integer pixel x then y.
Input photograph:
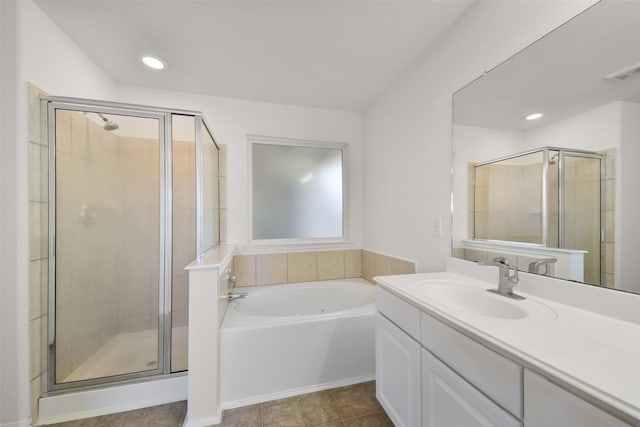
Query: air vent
{"type": "Point", "coordinates": [625, 73]}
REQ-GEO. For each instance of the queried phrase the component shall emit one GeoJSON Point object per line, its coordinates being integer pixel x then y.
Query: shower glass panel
{"type": "Point", "coordinates": [107, 246]}
{"type": "Point", "coordinates": [135, 199]}
{"type": "Point", "coordinates": [581, 222]}
{"type": "Point", "coordinates": [508, 199]}
{"type": "Point", "coordinates": [210, 219]}
{"type": "Point", "coordinates": [183, 130]}
{"type": "Point", "coordinates": [553, 200]}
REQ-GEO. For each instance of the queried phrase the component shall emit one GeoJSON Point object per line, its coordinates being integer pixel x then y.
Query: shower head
{"type": "Point", "coordinates": [108, 124]}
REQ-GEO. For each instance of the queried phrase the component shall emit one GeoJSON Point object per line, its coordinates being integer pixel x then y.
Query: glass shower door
{"type": "Point", "coordinates": [108, 244]}
{"type": "Point", "coordinates": [581, 222]}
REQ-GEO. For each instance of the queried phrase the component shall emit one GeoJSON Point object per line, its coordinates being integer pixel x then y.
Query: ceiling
{"type": "Point", "coordinates": [328, 54]}
{"type": "Point", "coordinates": [560, 75]}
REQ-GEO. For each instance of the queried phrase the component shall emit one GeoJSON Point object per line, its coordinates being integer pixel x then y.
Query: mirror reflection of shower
{"type": "Point", "coordinates": [549, 197]}
{"type": "Point", "coordinates": [108, 124]}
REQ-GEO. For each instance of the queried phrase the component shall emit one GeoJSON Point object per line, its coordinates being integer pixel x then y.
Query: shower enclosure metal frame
{"type": "Point", "coordinates": [164, 117]}
{"type": "Point", "coordinates": [562, 153]}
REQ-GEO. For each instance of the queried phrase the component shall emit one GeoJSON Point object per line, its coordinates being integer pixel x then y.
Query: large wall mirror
{"type": "Point", "coordinates": [558, 195]}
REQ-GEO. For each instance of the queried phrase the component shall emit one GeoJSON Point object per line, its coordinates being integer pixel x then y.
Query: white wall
{"type": "Point", "coordinates": [475, 144]}
{"type": "Point", "coordinates": [14, 381]}
{"type": "Point", "coordinates": [231, 120]}
{"type": "Point", "coordinates": [33, 49]}
{"type": "Point", "coordinates": [407, 132]}
{"type": "Point", "coordinates": [593, 130]}
{"type": "Point", "coordinates": [628, 199]}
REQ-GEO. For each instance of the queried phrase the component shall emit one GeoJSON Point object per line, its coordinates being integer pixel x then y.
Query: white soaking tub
{"type": "Point", "coordinates": [284, 340]}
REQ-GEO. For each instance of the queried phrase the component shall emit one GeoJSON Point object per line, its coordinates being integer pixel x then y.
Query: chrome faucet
{"type": "Point", "coordinates": [535, 266]}
{"type": "Point", "coordinates": [231, 282]}
{"type": "Point", "coordinates": [231, 296]}
{"type": "Point", "coordinates": [508, 277]}
{"type": "Point", "coordinates": [231, 278]}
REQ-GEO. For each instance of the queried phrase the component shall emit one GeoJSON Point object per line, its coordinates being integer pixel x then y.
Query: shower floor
{"type": "Point", "coordinates": [132, 352]}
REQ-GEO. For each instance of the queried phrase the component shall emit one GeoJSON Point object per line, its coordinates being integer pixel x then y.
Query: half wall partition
{"type": "Point", "coordinates": [133, 196]}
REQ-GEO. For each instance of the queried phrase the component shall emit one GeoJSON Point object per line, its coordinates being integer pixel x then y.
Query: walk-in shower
{"type": "Point", "coordinates": [549, 197]}
{"type": "Point", "coordinates": [133, 199]}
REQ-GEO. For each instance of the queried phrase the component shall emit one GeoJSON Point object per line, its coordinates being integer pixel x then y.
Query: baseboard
{"type": "Point", "coordinates": [295, 392]}
{"type": "Point", "coordinates": [92, 403]}
{"type": "Point", "coordinates": [202, 422]}
{"type": "Point", "coordinates": [22, 423]}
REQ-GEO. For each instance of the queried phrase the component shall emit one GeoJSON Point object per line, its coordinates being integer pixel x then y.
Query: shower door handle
{"type": "Point", "coordinates": [51, 318]}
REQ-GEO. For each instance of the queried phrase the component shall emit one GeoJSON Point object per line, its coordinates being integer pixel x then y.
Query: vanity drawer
{"type": "Point", "coordinates": [497, 377]}
{"type": "Point", "coordinates": [400, 312]}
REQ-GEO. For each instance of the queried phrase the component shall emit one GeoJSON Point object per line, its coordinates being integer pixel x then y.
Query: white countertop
{"type": "Point", "coordinates": [213, 258]}
{"type": "Point", "coordinates": [595, 354]}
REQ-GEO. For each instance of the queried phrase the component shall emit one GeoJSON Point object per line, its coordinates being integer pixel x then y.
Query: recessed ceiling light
{"type": "Point", "coordinates": [534, 116]}
{"type": "Point", "coordinates": [308, 177]}
{"type": "Point", "coordinates": [154, 62]}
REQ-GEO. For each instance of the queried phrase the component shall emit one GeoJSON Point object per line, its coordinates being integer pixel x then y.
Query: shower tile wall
{"type": "Point", "coordinates": [38, 251]}
{"type": "Point", "coordinates": [107, 237]}
{"type": "Point", "coordinates": [514, 196]}
{"type": "Point", "coordinates": [184, 226]}
{"type": "Point", "coordinates": [222, 156]}
{"type": "Point", "coordinates": [608, 246]}
{"type": "Point", "coordinates": [582, 212]}
{"type": "Point", "coordinates": [87, 262]}
{"type": "Point", "coordinates": [137, 196]}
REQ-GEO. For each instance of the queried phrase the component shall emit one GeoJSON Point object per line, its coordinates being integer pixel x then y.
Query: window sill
{"type": "Point", "coordinates": [296, 245]}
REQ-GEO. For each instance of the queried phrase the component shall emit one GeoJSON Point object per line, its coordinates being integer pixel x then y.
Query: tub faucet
{"type": "Point", "coordinates": [507, 279]}
{"type": "Point", "coordinates": [231, 296]}
{"type": "Point", "coordinates": [231, 278]}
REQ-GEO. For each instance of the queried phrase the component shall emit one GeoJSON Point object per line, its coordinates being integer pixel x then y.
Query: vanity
{"type": "Point", "coordinates": [449, 353]}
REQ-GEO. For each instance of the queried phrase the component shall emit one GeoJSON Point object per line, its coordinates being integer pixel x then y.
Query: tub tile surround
{"type": "Point", "coordinates": [271, 269]}
{"type": "Point", "coordinates": [297, 267]}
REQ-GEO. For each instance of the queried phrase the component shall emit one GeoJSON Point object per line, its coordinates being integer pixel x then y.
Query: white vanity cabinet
{"type": "Point", "coordinates": [397, 373]}
{"type": "Point", "coordinates": [398, 359]}
{"type": "Point", "coordinates": [431, 375]}
{"type": "Point", "coordinates": [546, 404]}
{"type": "Point", "coordinates": [416, 389]}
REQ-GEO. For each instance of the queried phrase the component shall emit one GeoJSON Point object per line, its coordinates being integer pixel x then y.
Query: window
{"type": "Point", "coordinates": [298, 189]}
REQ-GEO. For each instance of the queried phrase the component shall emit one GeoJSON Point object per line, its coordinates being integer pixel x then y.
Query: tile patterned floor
{"type": "Point", "coordinates": [351, 406]}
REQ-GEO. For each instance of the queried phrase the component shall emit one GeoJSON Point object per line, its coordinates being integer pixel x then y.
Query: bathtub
{"type": "Point", "coordinates": [285, 340]}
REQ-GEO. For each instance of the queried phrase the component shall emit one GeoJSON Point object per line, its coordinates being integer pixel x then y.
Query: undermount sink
{"type": "Point", "coordinates": [470, 299]}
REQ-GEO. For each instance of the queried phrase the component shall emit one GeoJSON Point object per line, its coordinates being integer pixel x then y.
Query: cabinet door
{"type": "Point", "coordinates": [450, 401]}
{"type": "Point", "coordinates": [546, 404]}
{"type": "Point", "coordinates": [397, 373]}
